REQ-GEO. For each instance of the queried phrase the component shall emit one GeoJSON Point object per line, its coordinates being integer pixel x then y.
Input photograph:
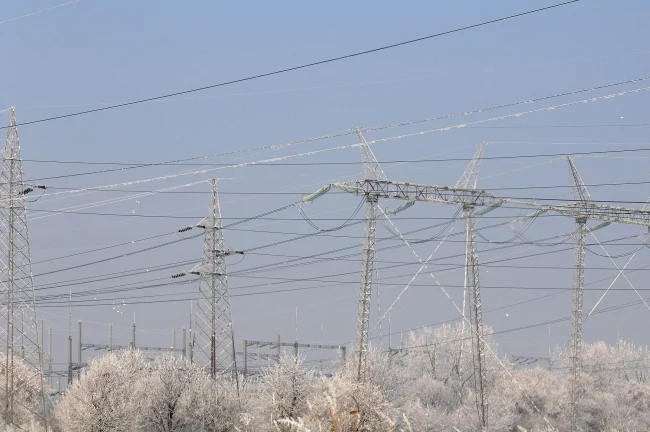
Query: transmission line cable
{"type": "Point", "coordinates": [400, 161]}
{"type": "Point", "coordinates": [303, 66]}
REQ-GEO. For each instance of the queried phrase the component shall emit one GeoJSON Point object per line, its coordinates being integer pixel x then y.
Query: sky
{"type": "Point", "coordinates": [90, 53]}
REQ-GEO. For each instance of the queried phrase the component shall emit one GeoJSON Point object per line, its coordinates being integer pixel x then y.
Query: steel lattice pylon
{"type": "Point", "coordinates": [469, 180]}
{"type": "Point", "coordinates": [576, 318]}
{"type": "Point", "coordinates": [372, 171]}
{"type": "Point", "coordinates": [476, 316]}
{"type": "Point", "coordinates": [18, 325]}
{"type": "Point", "coordinates": [365, 288]}
{"type": "Point", "coordinates": [213, 338]}
{"type": "Point", "coordinates": [581, 195]}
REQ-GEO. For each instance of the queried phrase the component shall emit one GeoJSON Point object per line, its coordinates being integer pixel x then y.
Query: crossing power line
{"type": "Point", "coordinates": [302, 66]}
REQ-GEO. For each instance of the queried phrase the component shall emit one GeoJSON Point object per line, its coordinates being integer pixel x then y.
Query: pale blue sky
{"type": "Point", "coordinates": [97, 51]}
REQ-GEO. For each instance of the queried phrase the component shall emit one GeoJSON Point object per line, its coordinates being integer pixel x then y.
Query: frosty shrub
{"type": "Point", "coordinates": [438, 376]}
{"type": "Point", "coordinates": [166, 393]}
{"type": "Point", "coordinates": [28, 405]}
{"type": "Point", "coordinates": [222, 404]}
{"type": "Point", "coordinates": [287, 385]}
{"type": "Point", "coordinates": [104, 397]}
{"type": "Point", "coordinates": [429, 386]}
{"type": "Point", "coordinates": [341, 405]}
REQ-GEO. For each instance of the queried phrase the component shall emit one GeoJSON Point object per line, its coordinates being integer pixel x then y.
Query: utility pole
{"type": "Point", "coordinates": [70, 359]}
{"type": "Point", "coordinates": [213, 337]}
{"type": "Point", "coordinates": [245, 358]}
{"type": "Point", "coordinates": [79, 348]}
{"type": "Point", "coordinates": [49, 356]}
{"type": "Point", "coordinates": [42, 344]}
{"type": "Point", "coordinates": [184, 343]}
{"type": "Point", "coordinates": [17, 286]}
{"type": "Point", "coordinates": [191, 343]}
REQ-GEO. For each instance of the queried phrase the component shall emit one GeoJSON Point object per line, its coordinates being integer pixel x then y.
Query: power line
{"type": "Point", "coordinates": [401, 161]}
{"type": "Point", "coordinates": [167, 216]}
{"type": "Point", "coordinates": [272, 193]}
{"type": "Point", "coordinates": [281, 280]}
{"type": "Point", "coordinates": [49, 299]}
{"type": "Point", "coordinates": [294, 68]}
{"type": "Point", "coordinates": [150, 238]}
{"type": "Point", "coordinates": [272, 163]}
{"type": "Point", "coordinates": [528, 101]}
{"type": "Point", "coordinates": [560, 126]}
{"type": "Point", "coordinates": [164, 216]}
{"type": "Point", "coordinates": [135, 272]}
{"type": "Point", "coordinates": [38, 11]}
{"type": "Point", "coordinates": [320, 278]}
{"type": "Point", "coordinates": [529, 326]}
{"type": "Point", "coordinates": [235, 223]}
{"type": "Point", "coordinates": [285, 264]}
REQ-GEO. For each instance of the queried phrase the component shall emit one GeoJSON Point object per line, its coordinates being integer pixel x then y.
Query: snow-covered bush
{"type": "Point", "coordinates": [104, 397]}
{"type": "Point", "coordinates": [341, 404]}
{"type": "Point", "coordinates": [428, 387]}
{"type": "Point", "coordinates": [287, 385]}
{"type": "Point", "coordinates": [166, 392]}
{"type": "Point", "coordinates": [222, 404]}
{"type": "Point", "coordinates": [28, 406]}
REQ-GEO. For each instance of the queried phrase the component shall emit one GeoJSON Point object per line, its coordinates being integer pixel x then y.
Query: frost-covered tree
{"type": "Point", "coordinates": [222, 404]}
{"type": "Point", "coordinates": [104, 397]}
{"type": "Point", "coordinates": [529, 399]}
{"type": "Point", "coordinates": [341, 404]}
{"type": "Point", "coordinates": [438, 375]}
{"type": "Point", "coordinates": [166, 392]}
{"type": "Point", "coordinates": [288, 384]}
{"type": "Point", "coordinates": [28, 411]}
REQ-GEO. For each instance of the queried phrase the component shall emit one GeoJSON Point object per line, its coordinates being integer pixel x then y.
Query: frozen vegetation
{"type": "Point", "coordinates": [428, 387]}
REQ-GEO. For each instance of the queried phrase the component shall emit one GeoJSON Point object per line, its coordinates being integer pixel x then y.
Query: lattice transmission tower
{"type": "Point", "coordinates": [18, 325]}
{"type": "Point", "coordinates": [213, 336]}
{"type": "Point", "coordinates": [469, 180]}
{"type": "Point", "coordinates": [581, 195]}
{"type": "Point", "coordinates": [372, 171]}
{"type": "Point", "coordinates": [582, 210]}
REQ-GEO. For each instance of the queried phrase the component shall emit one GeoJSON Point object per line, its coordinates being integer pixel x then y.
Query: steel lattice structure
{"type": "Point", "coordinates": [18, 327]}
{"type": "Point", "coordinates": [213, 336]}
{"type": "Point", "coordinates": [418, 192]}
{"type": "Point", "coordinates": [582, 196]}
{"type": "Point", "coordinates": [469, 180]}
{"type": "Point", "coordinates": [372, 171]}
{"type": "Point", "coordinates": [582, 210]}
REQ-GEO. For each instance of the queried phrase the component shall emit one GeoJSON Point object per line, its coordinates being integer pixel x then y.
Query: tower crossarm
{"type": "Point", "coordinates": [419, 192]}
{"type": "Point", "coordinates": [605, 213]}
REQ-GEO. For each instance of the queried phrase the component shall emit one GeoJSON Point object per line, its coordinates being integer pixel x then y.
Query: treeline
{"type": "Point", "coordinates": [426, 387]}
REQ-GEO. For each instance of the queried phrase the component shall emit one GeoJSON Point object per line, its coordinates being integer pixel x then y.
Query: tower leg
{"type": "Point", "coordinates": [365, 288]}
{"type": "Point", "coordinates": [576, 319]}
{"type": "Point", "coordinates": [476, 318]}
